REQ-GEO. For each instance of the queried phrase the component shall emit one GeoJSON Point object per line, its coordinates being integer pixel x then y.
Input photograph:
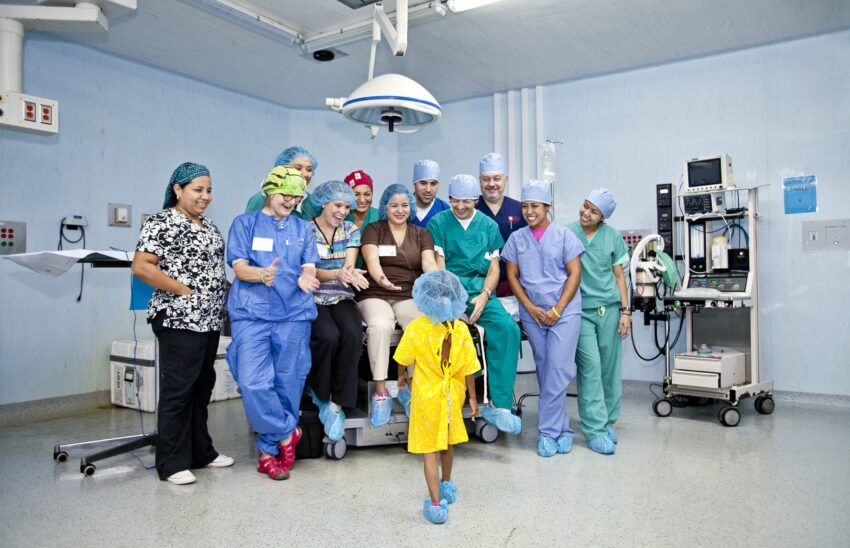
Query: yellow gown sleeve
{"type": "Point", "coordinates": [405, 353]}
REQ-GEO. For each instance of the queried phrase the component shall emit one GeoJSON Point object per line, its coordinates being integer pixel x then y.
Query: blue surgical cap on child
{"type": "Point", "coordinates": [394, 190]}
{"type": "Point", "coordinates": [464, 187]}
{"type": "Point", "coordinates": [537, 191]}
{"type": "Point", "coordinates": [440, 296]}
{"type": "Point", "coordinates": [184, 173]}
{"type": "Point", "coordinates": [332, 191]}
{"type": "Point", "coordinates": [287, 156]}
{"type": "Point", "coordinates": [425, 170]}
{"type": "Point", "coordinates": [492, 162]}
{"type": "Point", "coordinates": [602, 199]}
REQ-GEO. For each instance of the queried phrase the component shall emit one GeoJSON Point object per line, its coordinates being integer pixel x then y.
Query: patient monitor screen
{"type": "Point", "coordinates": [704, 173]}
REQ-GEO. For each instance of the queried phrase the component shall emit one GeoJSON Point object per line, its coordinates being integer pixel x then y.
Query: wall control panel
{"type": "Point", "coordinates": [13, 237]}
{"type": "Point", "coordinates": [28, 112]}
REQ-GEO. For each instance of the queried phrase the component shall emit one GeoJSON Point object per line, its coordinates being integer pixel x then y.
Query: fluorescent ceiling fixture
{"type": "Point", "coordinates": [252, 20]}
{"type": "Point", "coordinates": [458, 6]}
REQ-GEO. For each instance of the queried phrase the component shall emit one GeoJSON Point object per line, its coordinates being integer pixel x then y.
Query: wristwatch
{"type": "Point", "coordinates": [489, 291]}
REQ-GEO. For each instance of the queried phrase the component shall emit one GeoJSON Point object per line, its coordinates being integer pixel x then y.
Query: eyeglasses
{"type": "Point", "coordinates": [289, 198]}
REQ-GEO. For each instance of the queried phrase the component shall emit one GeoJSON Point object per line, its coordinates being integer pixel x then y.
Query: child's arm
{"type": "Point", "coordinates": [473, 399]}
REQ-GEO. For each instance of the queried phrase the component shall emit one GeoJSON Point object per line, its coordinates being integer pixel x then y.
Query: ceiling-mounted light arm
{"type": "Point", "coordinates": [396, 36]}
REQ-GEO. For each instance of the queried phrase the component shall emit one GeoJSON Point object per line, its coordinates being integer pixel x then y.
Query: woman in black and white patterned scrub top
{"type": "Point", "coordinates": [181, 254]}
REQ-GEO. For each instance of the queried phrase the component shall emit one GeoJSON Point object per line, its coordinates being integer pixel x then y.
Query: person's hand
{"type": "Point", "coordinates": [625, 325]}
{"type": "Point", "coordinates": [550, 317]}
{"type": "Point", "coordinates": [385, 282]}
{"type": "Point", "coordinates": [537, 314]}
{"type": "Point", "coordinates": [185, 291]}
{"type": "Point", "coordinates": [402, 378]}
{"type": "Point", "coordinates": [358, 279]}
{"type": "Point", "coordinates": [478, 303]}
{"type": "Point", "coordinates": [308, 283]}
{"type": "Point", "coordinates": [473, 407]}
{"type": "Point", "coordinates": [267, 274]}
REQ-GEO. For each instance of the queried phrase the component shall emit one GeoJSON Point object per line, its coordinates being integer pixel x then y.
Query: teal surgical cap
{"type": "Point", "coordinates": [184, 173]}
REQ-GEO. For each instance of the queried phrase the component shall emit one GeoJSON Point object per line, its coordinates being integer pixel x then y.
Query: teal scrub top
{"type": "Point", "coordinates": [467, 252]}
{"type": "Point", "coordinates": [305, 211]}
{"type": "Point", "coordinates": [605, 249]}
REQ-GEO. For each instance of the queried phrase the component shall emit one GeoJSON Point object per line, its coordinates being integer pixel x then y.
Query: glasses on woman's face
{"type": "Point", "coordinates": [291, 198]}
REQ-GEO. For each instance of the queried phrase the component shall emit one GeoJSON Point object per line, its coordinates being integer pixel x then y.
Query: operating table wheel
{"type": "Point", "coordinates": [765, 405]}
{"type": "Point", "coordinates": [88, 469]}
{"type": "Point", "coordinates": [335, 450]}
{"type": "Point", "coordinates": [662, 407]}
{"type": "Point", "coordinates": [61, 456]}
{"type": "Point", "coordinates": [485, 431]}
{"type": "Point", "coordinates": [729, 416]}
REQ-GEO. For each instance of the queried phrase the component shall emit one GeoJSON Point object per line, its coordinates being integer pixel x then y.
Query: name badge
{"type": "Point", "coordinates": [386, 251]}
{"type": "Point", "coordinates": [262, 244]}
{"type": "Point", "coordinates": [322, 249]}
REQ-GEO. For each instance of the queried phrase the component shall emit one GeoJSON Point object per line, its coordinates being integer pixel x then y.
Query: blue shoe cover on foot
{"type": "Point", "coordinates": [546, 446]}
{"type": "Point", "coordinates": [565, 443]}
{"type": "Point", "coordinates": [381, 408]}
{"type": "Point", "coordinates": [404, 396]}
{"type": "Point", "coordinates": [602, 445]}
{"type": "Point", "coordinates": [335, 425]}
{"type": "Point", "coordinates": [435, 514]}
{"type": "Point", "coordinates": [448, 491]}
{"type": "Point", "coordinates": [612, 435]}
{"type": "Point", "coordinates": [502, 419]}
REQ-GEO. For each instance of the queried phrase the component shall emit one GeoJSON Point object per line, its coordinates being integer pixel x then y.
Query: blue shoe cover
{"type": "Point", "coordinates": [448, 491]}
{"type": "Point", "coordinates": [381, 408]}
{"type": "Point", "coordinates": [502, 419]}
{"type": "Point", "coordinates": [404, 396]}
{"type": "Point", "coordinates": [602, 445]}
{"type": "Point", "coordinates": [335, 425]}
{"type": "Point", "coordinates": [546, 446]}
{"type": "Point", "coordinates": [612, 435]}
{"type": "Point", "coordinates": [565, 443]}
{"type": "Point", "coordinates": [435, 514]}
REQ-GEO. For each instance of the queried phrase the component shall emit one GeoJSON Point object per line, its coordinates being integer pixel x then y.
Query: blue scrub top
{"type": "Point", "coordinates": [542, 266]}
{"type": "Point", "coordinates": [438, 207]}
{"type": "Point", "coordinates": [259, 238]}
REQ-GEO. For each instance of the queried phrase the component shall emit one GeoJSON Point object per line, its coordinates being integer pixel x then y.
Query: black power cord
{"type": "Point", "coordinates": [64, 238]}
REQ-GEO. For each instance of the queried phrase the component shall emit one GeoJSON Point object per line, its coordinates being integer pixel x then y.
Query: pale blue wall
{"type": "Point", "coordinates": [125, 126]}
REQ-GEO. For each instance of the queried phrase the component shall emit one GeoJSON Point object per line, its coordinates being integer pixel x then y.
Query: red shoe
{"type": "Point", "coordinates": [272, 467]}
{"type": "Point", "coordinates": [286, 455]}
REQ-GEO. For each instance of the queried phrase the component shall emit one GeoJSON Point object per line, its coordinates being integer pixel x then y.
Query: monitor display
{"type": "Point", "coordinates": [705, 173]}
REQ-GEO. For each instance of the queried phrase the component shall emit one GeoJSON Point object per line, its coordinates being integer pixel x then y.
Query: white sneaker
{"type": "Point", "coordinates": [221, 461]}
{"type": "Point", "coordinates": [183, 477]}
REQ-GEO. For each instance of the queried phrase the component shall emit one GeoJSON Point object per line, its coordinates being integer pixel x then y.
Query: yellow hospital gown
{"type": "Point", "coordinates": [435, 409]}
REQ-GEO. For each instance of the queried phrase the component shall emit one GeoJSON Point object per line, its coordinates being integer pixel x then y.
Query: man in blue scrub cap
{"type": "Point", "coordinates": [426, 181]}
{"type": "Point", "coordinates": [507, 212]}
{"type": "Point", "coordinates": [467, 244]}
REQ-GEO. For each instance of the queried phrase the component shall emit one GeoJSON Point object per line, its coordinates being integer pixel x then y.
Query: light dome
{"type": "Point", "coordinates": [392, 101]}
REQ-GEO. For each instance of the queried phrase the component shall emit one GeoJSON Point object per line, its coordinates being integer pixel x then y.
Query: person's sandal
{"type": "Point", "coordinates": [272, 468]}
{"type": "Point", "coordinates": [286, 456]}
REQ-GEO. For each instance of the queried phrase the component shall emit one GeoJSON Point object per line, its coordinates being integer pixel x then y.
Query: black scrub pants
{"type": "Point", "coordinates": [336, 343]}
{"type": "Point", "coordinates": [186, 381]}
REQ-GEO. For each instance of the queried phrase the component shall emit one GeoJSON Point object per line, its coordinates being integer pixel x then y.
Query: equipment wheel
{"type": "Point", "coordinates": [662, 407]}
{"type": "Point", "coordinates": [335, 450]}
{"type": "Point", "coordinates": [61, 456]}
{"type": "Point", "coordinates": [485, 431]}
{"type": "Point", "coordinates": [88, 469]}
{"type": "Point", "coordinates": [729, 416]}
{"type": "Point", "coordinates": [765, 405]}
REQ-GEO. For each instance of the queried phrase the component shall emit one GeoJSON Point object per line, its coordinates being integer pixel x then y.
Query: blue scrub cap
{"type": "Point", "coordinates": [394, 190]}
{"type": "Point", "coordinates": [492, 162]}
{"type": "Point", "coordinates": [184, 173]}
{"type": "Point", "coordinates": [287, 156]}
{"type": "Point", "coordinates": [426, 169]}
{"type": "Point", "coordinates": [602, 199]}
{"type": "Point", "coordinates": [440, 296]}
{"type": "Point", "coordinates": [464, 187]}
{"type": "Point", "coordinates": [537, 191]}
{"type": "Point", "coordinates": [331, 191]}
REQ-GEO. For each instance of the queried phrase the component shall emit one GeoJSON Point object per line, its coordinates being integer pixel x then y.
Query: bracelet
{"type": "Point", "coordinates": [626, 313]}
{"type": "Point", "coordinates": [555, 312]}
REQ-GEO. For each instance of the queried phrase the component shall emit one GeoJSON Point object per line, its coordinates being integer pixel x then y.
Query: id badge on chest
{"type": "Point", "coordinates": [323, 250]}
{"type": "Point", "coordinates": [387, 250]}
{"type": "Point", "coordinates": [262, 244]}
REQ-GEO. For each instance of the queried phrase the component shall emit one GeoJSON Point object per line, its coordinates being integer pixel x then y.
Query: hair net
{"type": "Point", "coordinates": [602, 199]}
{"type": "Point", "coordinates": [537, 191]}
{"type": "Point", "coordinates": [440, 296]}
{"type": "Point", "coordinates": [284, 180]}
{"type": "Point", "coordinates": [464, 187]}
{"type": "Point", "coordinates": [426, 169]}
{"type": "Point", "coordinates": [394, 190]}
{"type": "Point", "coordinates": [287, 156]}
{"type": "Point", "coordinates": [357, 178]}
{"type": "Point", "coordinates": [184, 173]}
{"type": "Point", "coordinates": [492, 162]}
{"type": "Point", "coordinates": [331, 191]}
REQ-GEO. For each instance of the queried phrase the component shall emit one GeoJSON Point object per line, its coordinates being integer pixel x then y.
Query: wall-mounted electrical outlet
{"type": "Point", "coordinates": [119, 215]}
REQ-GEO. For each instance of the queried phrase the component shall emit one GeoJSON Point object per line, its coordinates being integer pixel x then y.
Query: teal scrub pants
{"type": "Point", "coordinates": [599, 370]}
{"type": "Point", "coordinates": [502, 352]}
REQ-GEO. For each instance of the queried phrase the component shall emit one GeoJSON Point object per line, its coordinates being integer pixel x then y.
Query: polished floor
{"type": "Point", "coordinates": [779, 480]}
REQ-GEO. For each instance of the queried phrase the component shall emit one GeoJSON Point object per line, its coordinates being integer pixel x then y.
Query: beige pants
{"type": "Point", "coordinates": [381, 317]}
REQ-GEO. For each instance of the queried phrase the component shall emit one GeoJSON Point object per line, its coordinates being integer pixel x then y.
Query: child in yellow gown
{"type": "Point", "coordinates": [441, 348]}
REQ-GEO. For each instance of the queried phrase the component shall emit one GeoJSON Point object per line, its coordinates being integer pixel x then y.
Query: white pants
{"type": "Point", "coordinates": [381, 317]}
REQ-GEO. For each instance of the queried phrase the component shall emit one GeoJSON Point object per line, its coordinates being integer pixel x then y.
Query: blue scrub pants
{"type": "Point", "coordinates": [502, 352]}
{"type": "Point", "coordinates": [554, 349]}
{"type": "Point", "coordinates": [599, 383]}
{"type": "Point", "coordinates": [270, 362]}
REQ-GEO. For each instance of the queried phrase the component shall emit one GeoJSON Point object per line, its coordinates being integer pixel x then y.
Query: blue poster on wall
{"type": "Point", "coordinates": [801, 194]}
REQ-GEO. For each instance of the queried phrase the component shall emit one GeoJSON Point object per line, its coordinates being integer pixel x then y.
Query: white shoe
{"type": "Point", "coordinates": [183, 477]}
{"type": "Point", "coordinates": [221, 461]}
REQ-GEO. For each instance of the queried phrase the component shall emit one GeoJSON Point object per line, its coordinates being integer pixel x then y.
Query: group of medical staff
{"type": "Point", "coordinates": [314, 264]}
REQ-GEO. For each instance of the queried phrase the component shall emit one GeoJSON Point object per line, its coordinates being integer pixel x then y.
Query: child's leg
{"type": "Point", "coordinates": [447, 459]}
{"type": "Point", "coordinates": [432, 473]}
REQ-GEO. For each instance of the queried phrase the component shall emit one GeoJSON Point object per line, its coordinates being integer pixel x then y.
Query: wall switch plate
{"type": "Point", "coordinates": [13, 237]}
{"type": "Point", "coordinates": [119, 215]}
{"type": "Point", "coordinates": [824, 236]}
